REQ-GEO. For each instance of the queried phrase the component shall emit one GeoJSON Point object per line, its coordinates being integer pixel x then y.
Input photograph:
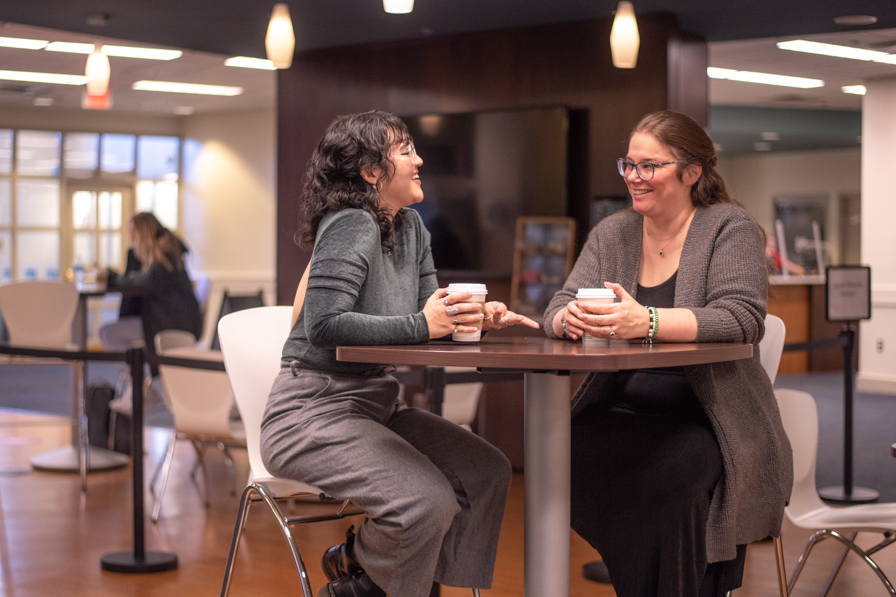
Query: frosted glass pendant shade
{"type": "Point", "coordinates": [624, 38]}
{"type": "Point", "coordinates": [97, 71]}
{"type": "Point", "coordinates": [280, 42]}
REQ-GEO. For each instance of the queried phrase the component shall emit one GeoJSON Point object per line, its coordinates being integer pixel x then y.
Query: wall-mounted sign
{"type": "Point", "coordinates": [848, 292]}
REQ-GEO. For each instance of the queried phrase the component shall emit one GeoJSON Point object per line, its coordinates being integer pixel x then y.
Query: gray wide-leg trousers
{"type": "Point", "coordinates": [433, 492]}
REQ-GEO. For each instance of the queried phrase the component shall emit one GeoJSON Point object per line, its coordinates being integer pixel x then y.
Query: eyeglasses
{"type": "Point", "coordinates": [645, 170]}
{"type": "Point", "coordinates": [409, 151]}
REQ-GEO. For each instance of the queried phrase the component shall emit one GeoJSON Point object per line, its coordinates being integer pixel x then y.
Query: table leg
{"type": "Point", "coordinates": [547, 437]}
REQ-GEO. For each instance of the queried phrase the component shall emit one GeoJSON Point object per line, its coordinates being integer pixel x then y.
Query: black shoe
{"type": "Point", "coordinates": [339, 561]}
{"type": "Point", "coordinates": [356, 585]}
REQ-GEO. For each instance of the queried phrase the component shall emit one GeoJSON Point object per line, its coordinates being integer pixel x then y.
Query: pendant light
{"type": "Point", "coordinates": [398, 7]}
{"type": "Point", "coordinates": [97, 72]}
{"type": "Point", "coordinates": [280, 42]}
{"type": "Point", "coordinates": [624, 38]}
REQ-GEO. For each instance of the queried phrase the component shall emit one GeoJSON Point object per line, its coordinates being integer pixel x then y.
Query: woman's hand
{"type": "Point", "coordinates": [624, 320]}
{"type": "Point", "coordinates": [445, 314]}
{"type": "Point", "coordinates": [497, 317]}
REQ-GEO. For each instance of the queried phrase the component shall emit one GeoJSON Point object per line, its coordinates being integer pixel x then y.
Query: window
{"type": "Point", "coordinates": [67, 197]}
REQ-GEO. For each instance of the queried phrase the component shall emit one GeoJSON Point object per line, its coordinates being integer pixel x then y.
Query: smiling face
{"type": "Point", "coordinates": [665, 195]}
{"type": "Point", "coordinates": [404, 188]}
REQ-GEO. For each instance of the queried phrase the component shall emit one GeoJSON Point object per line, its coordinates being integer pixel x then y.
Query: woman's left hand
{"type": "Point", "coordinates": [624, 320]}
{"type": "Point", "coordinates": [497, 317]}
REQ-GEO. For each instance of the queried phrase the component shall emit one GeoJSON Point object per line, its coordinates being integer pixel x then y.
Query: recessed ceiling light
{"type": "Point", "coordinates": [119, 51]}
{"type": "Point", "coordinates": [888, 59]}
{"type": "Point", "coordinates": [855, 20]}
{"type": "Point", "coordinates": [763, 78]}
{"type": "Point", "coordinates": [854, 89]}
{"type": "Point", "coordinates": [814, 47]}
{"type": "Point", "coordinates": [769, 136]}
{"type": "Point", "coordinates": [24, 44]}
{"type": "Point", "coordinates": [146, 53]}
{"type": "Point", "coordinates": [70, 47]}
{"type": "Point", "coordinates": [247, 62]}
{"type": "Point", "coordinates": [16, 75]}
{"type": "Point", "coordinates": [718, 147]}
{"type": "Point", "coordinates": [762, 146]}
{"type": "Point", "coordinates": [43, 101]}
{"type": "Point", "coordinates": [169, 87]}
{"type": "Point", "coordinates": [184, 110]}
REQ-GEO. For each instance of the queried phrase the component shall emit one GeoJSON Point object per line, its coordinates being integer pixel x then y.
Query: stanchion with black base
{"type": "Point", "coordinates": [138, 561]}
{"type": "Point", "coordinates": [847, 493]}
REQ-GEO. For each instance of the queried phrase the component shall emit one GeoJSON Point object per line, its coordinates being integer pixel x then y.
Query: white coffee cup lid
{"type": "Point", "coordinates": [595, 293]}
{"type": "Point", "coordinates": [474, 288]}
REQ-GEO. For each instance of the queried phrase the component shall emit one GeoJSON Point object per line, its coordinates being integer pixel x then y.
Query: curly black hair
{"type": "Point", "coordinates": [333, 180]}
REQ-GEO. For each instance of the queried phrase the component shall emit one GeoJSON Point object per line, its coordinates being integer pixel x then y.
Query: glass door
{"type": "Point", "coordinates": [99, 235]}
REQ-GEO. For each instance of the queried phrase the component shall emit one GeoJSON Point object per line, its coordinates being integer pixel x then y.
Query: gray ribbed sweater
{"type": "Point", "coordinates": [359, 294]}
{"type": "Point", "coordinates": [722, 279]}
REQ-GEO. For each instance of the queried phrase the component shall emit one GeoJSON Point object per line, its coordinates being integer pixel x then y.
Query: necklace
{"type": "Point", "coordinates": [673, 237]}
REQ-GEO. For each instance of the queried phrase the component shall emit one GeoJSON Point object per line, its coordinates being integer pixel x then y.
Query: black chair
{"type": "Point", "coordinates": [236, 302]}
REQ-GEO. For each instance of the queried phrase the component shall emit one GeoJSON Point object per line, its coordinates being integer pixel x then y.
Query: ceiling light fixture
{"type": "Point", "coordinates": [23, 44]}
{"type": "Point", "coordinates": [97, 71]}
{"type": "Point", "coordinates": [43, 101]}
{"type": "Point", "coordinates": [398, 7]}
{"type": "Point", "coordinates": [854, 89]}
{"type": "Point", "coordinates": [145, 53]}
{"type": "Point", "coordinates": [51, 78]}
{"type": "Point", "coordinates": [280, 41]}
{"type": "Point", "coordinates": [814, 47]}
{"type": "Point", "coordinates": [69, 47]}
{"type": "Point", "coordinates": [169, 87]}
{"type": "Point", "coordinates": [855, 20]}
{"type": "Point", "coordinates": [763, 78]}
{"type": "Point", "coordinates": [247, 62]}
{"type": "Point", "coordinates": [118, 51]}
{"type": "Point", "coordinates": [624, 38]}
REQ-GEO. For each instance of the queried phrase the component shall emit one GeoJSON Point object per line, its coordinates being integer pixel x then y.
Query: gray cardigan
{"type": "Point", "coordinates": [722, 279]}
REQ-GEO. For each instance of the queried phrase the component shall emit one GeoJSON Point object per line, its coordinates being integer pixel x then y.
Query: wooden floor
{"type": "Point", "coordinates": [52, 537]}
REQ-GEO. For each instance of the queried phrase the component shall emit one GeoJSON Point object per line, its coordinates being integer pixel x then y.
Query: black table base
{"type": "Point", "coordinates": [127, 562]}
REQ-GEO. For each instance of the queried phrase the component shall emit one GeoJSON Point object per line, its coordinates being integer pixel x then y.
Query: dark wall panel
{"type": "Point", "coordinates": [566, 64]}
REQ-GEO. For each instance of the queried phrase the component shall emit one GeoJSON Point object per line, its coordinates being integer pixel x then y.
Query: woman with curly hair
{"type": "Point", "coordinates": [433, 492]}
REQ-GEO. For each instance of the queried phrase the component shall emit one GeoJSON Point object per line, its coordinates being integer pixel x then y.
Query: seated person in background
{"type": "Point", "coordinates": [675, 470]}
{"type": "Point", "coordinates": [170, 303]}
{"type": "Point", "coordinates": [433, 492]}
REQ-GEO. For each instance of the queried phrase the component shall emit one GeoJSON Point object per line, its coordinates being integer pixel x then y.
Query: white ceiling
{"type": "Point", "coordinates": [762, 55]}
{"type": "Point", "coordinates": [193, 67]}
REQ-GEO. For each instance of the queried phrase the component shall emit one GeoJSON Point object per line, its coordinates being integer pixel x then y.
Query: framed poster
{"type": "Point", "coordinates": [847, 292]}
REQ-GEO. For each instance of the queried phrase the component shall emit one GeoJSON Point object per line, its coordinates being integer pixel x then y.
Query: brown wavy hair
{"type": "Point", "coordinates": [333, 181]}
{"type": "Point", "coordinates": [154, 242]}
{"type": "Point", "coordinates": [690, 145]}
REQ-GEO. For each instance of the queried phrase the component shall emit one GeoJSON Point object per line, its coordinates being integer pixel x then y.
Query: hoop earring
{"type": "Point", "coordinates": [379, 186]}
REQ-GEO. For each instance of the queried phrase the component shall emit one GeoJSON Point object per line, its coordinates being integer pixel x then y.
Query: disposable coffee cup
{"type": "Point", "coordinates": [593, 297]}
{"type": "Point", "coordinates": [479, 291]}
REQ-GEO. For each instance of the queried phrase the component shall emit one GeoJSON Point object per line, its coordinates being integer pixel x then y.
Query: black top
{"type": "Point", "coordinates": [662, 391]}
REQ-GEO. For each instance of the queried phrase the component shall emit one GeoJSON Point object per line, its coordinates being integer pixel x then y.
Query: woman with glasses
{"type": "Point", "coordinates": [674, 470]}
{"type": "Point", "coordinates": [433, 493]}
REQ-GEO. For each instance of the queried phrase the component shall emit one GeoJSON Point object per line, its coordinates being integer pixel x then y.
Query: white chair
{"type": "Point", "coordinates": [252, 341]}
{"type": "Point", "coordinates": [201, 402]}
{"type": "Point", "coordinates": [807, 511]}
{"type": "Point", "coordinates": [39, 314]}
{"type": "Point", "coordinates": [772, 345]}
{"type": "Point", "coordinates": [461, 399]}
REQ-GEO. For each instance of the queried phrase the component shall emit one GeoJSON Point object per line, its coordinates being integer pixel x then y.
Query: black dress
{"type": "Point", "coordinates": [643, 473]}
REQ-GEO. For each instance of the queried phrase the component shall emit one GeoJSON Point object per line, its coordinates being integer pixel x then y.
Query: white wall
{"type": "Point", "coordinates": [230, 204]}
{"type": "Point", "coordinates": [876, 370]}
{"type": "Point", "coordinates": [758, 179]}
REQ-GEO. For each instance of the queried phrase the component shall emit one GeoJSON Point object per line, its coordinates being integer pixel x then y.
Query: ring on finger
{"type": "Point", "coordinates": [455, 321]}
{"type": "Point", "coordinates": [447, 304]}
{"type": "Point", "coordinates": [452, 310]}
{"type": "Point", "coordinates": [455, 327]}
{"type": "Point", "coordinates": [612, 333]}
